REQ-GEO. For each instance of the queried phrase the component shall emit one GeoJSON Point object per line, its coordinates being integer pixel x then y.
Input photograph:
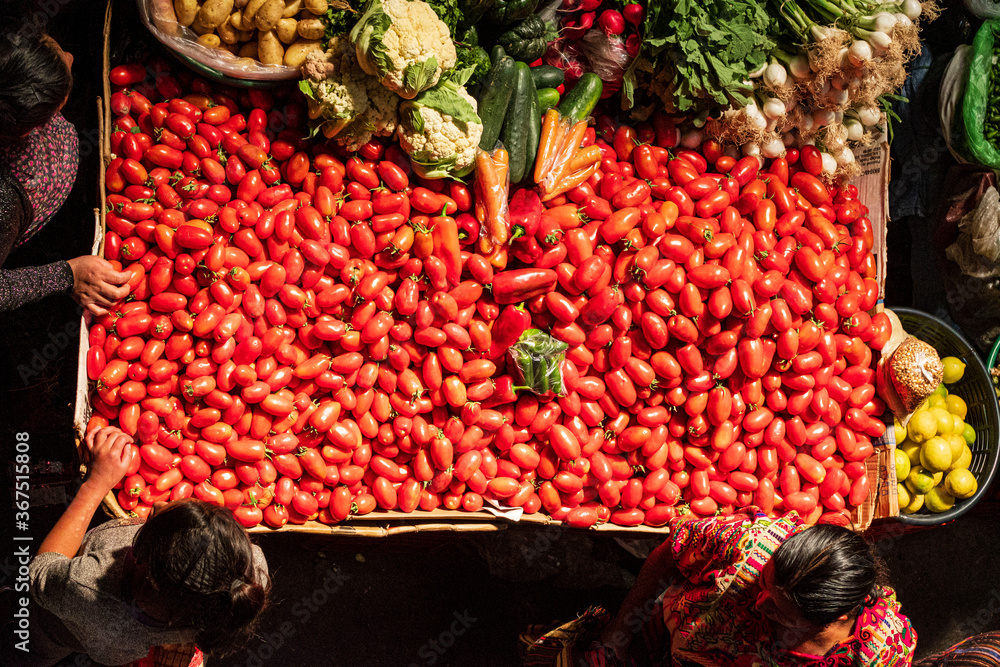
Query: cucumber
{"type": "Point", "coordinates": [515, 126]}
{"type": "Point", "coordinates": [496, 53]}
{"type": "Point", "coordinates": [548, 98]}
{"type": "Point", "coordinates": [580, 102]}
{"type": "Point", "coordinates": [494, 100]}
{"type": "Point", "coordinates": [534, 134]}
{"type": "Point", "coordinates": [547, 76]}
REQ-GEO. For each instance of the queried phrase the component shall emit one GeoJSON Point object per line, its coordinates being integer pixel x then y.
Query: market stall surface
{"type": "Point", "coordinates": [427, 599]}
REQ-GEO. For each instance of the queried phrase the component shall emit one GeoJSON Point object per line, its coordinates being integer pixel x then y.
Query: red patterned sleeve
{"type": "Point", "coordinates": [702, 546]}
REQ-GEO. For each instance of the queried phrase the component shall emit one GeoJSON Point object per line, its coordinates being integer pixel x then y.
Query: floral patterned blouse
{"type": "Point", "coordinates": [46, 164]}
{"type": "Point", "coordinates": [710, 618]}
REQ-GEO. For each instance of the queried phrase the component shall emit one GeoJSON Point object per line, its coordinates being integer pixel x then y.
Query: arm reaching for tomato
{"type": "Point", "coordinates": [108, 457]}
{"type": "Point", "coordinates": [96, 284]}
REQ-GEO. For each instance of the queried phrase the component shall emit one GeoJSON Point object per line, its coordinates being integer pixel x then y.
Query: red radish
{"type": "Point", "coordinates": [611, 22]}
{"type": "Point", "coordinates": [634, 14]}
{"type": "Point", "coordinates": [633, 43]}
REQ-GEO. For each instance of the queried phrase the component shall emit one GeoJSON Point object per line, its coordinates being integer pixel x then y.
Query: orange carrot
{"type": "Point", "coordinates": [548, 142]}
{"type": "Point", "coordinates": [571, 181]}
{"type": "Point", "coordinates": [569, 148]}
{"type": "Point", "coordinates": [585, 157]}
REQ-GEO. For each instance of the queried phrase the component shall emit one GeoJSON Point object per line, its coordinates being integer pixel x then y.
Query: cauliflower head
{"type": "Point", "coordinates": [344, 102]}
{"type": "Point", "coordinates": [404, 44]}
{"type": "Point", "coordinates": [379, 120]}
{"type": "Point", "coordinates": [440, 131]}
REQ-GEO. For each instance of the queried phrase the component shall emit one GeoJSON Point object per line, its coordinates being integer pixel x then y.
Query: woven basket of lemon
{"type": "Point", "coordinates": [944, 404]}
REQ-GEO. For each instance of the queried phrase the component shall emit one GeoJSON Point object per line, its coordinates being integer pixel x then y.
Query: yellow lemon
{"type": "Point", "coordinates": [897, 425]}
{"type": "Point", "coordinates": [963, 461]}
{"type": "Point", "coordinates": [957, 443]}
{"type": "Point", "coordinates": [957, 425]}
{"type": "Point", "coordinates": [956, 405]}
{"type": "Point", "coordinates": [914, 506]}
{"type": "Point", "coordinates": [904, 495]}
{"type": "Point", "coordinates": [922, 426]}
{"type": "Point", "coordinates": [945, 420]}
{"type": "Point", "coordinates": [969, 434]}
{"type": "Point", "coordinates": [954, 369]}
{"type": "Point", "coordinates": [938, 500]}
{"type": "Point", "coordinates": [935, 454]}
{"type": "Point", "coordinates": [936, 402]}
{"type": "Point", "coordinates": [920, 481]}
{"type": "Point", "coordinates": [903, 463]}
{"type": "Point", "coordinates": [912, 451]}
{"type": "Point", "coordinates": [961, 483]}
{"type": "Point", "coordinates": [940, 390]}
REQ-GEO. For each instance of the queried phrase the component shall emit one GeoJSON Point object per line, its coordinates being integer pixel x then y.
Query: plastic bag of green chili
{"type": "Point", "coordinates": [981, 105]}
{"type": "Point", "coordinates": [538, 359]}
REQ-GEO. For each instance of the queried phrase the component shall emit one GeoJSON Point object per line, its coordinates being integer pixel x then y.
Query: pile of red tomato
{"type": "Point", "coordinates": [312, 335]}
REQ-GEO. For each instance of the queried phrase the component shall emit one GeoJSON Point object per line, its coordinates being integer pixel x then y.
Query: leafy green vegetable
{"type": "Point", "coordinates": [444, 98]}
{"type": "Point", "coordinates": [474, 57]}
{"type": "Point", "coordinates": [504, 12]}
{"type": "Point", "coordinates": [368, 36]}
{"type": "Point", "coordinates": [528, 40]}
{"type": "Point", "coordinates": [447, 11]}
{"type": "Point", "coordinates": [339, 19]}
{"type": "Point", "coordinates": [712, 45]}
{"type": "Point", "coordinates": [430, 169]}
{"type": "Point", "coordinates": [419, 74]}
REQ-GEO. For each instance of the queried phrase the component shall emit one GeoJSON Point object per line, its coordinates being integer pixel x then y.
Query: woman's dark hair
{"type": "Point", "coordinates": [198, 557]}
{"type": "Point", "coordinates": [35, 83]}
{"type": "Point", "coordinates": [827, 571]}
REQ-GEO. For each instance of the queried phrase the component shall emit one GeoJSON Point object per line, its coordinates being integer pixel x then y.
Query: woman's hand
{"type": "Point", "coordinates": [96, 284]}
{"type": "Point", "coordinates": [108, 456]}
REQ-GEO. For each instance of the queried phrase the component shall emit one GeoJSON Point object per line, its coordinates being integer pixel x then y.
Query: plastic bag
{"type": "Point", "coordinates": [159, 17]}
{"type": "Point", "coordinates": [950, 94]}
{"type": "Point", "coordinates": [561, 164]}
{"type": "Point", "coordinates": [977, 250]}
{"type": "Point", "coordinates": [608, 59]}
{"type": "Point", "coordinates": [984, 9]}
{"type": "Point", "coordinates": [538, 359]}
{"type": "Point", "coordinates": [915, 371]}
{"type": "Point", "coordinates": [977, 97]}
{"type": "Point", "coordinates": [491, 186]}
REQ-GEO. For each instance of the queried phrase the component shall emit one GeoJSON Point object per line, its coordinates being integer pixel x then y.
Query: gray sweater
{"type": "Point", "coordinates": [80, 605]}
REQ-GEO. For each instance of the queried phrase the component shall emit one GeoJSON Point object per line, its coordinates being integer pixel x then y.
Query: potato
{"type": "Point", "coordinates": [186, 10]}
{"type": "Point", "coordinates": [297, 52]}
{"type": "Point", "coordinates": [211, 40]}
{"type": "Point", "coordinates": [240, 4]}
{"type": "Point", "coordinates": [214, 12]}
{"type": "Point", "coordinates": [287, 30]}
{"type": "Point", "coordinates": [269, 48]}
{"type": "Point", "coordinates": [201, 28]}
{"type": "Point", "coordinates": [269, 14]}
{"type": "Point", "coordinates": [227, 33]}
{"type": "Point", "coordinates": [248, 50]}
{"type": "Point", "coordinates": [291, 8]}
{"type": "Point", "coordinates": [311, 29]}
{"type": "Point", "coordinates": [247, 35]}
{"type": "Point", "coordinates": [250, 11]}
{"type": "Point", "coordinates": [317, 7]}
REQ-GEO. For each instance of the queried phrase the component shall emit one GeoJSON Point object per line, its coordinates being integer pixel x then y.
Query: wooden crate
{"type": "Point", "coordinates": [882, 501]}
